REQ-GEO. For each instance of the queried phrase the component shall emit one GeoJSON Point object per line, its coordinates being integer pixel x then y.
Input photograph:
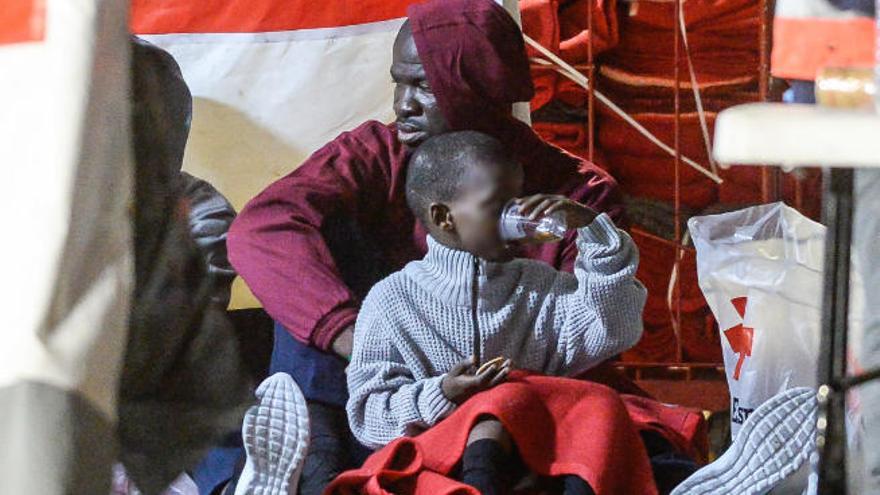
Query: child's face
{"type": "Point", "coordinates": [477, 209]}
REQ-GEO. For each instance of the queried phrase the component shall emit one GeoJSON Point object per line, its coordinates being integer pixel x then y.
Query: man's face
{"type": "Point", "coordinates": [418, 115]}
{"type": "Point", "coordinates": [476, 211]}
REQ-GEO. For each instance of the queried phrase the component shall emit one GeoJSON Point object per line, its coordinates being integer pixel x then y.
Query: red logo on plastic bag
{"type": "Point", "coordinates": [22, 20]}
{"type": "Point", "coordinates": [740, 337]}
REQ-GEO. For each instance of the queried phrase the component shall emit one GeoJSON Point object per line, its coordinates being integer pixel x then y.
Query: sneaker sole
{"type": "Point", "coordinates": [276, 438]}
{"type": "Point", "coordinates": [772, 444]}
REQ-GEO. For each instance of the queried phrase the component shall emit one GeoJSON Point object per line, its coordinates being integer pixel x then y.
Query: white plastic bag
{"type": "Point", "coordinates": [760, 270]}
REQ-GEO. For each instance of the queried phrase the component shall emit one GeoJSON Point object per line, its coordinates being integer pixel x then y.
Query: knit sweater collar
{"type": "Point", "coordinates": [446, 273]}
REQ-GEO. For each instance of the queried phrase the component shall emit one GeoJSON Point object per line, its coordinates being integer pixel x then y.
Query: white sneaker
{"type": "Point", "coordinates": [276, 438]}
{"type": "Point", "coordinates": [772, 444]}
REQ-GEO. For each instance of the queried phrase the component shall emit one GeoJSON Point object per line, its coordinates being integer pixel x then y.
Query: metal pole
{"type": "Point", "coordinates": [770, 180]}
{"type": "Point", "coordinates": [591, 75]}
{"type": "Point", "coordinates": [679, 353]}
{"type": "Point", "coordinates": [831, 438]}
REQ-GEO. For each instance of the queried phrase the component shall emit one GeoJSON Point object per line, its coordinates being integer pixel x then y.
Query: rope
{"type": "Point", "coordinates": [568, 71]}
{"type": "Point", "coordinates": [697, 98]}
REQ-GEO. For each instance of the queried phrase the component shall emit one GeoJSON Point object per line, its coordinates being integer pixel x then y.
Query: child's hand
{"type": "Point", "coordinates": [540, 205]}
{"type": "Point", "coordinates": [463, 381]}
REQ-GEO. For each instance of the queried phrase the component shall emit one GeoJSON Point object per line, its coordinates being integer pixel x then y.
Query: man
{"type": "Point", "coordinates": [313, 243]}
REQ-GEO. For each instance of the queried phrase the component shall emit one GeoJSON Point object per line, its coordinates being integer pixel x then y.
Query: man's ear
{"type": "Point", "coordinates": [441, 217]}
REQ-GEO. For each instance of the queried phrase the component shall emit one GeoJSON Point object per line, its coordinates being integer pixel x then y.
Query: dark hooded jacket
{"type": "Point", "coordinates": [182, 385]}
{"type": "Point", "coordinates": [312, 244]}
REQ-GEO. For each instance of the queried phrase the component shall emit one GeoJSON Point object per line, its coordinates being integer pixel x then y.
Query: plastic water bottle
{"type": "Point", "coordinates": [515, 226]}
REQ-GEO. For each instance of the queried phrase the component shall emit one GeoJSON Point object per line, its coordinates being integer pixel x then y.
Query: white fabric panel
{"type": "Point", "coordinates": [65, 199]}
{"type": "Point", "coordinates": [264, 102]}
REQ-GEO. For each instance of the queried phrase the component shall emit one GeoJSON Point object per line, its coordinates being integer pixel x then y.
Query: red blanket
{"type": "Point", "coordinates": [560, 426]}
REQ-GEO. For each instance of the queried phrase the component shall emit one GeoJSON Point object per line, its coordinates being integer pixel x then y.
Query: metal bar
{"type": "Point", "coordinates": [591, 75]}
{"type": "Point", "coordinates": [770, 179]}
{"type": "Point", "coordinates": [548, 65]}
{"type": "Point", "coordinates": [669, 366]}
{"type": "Point", "coordinates": [764, 41]}
{"type": "Point", "coordinates": [679, 348]}
{"type": "Point", "coordinates": [799, 192]}
{"type": "Point", "coordinates": [831, 438]}
{"type": "Point", "coordinates": [854, 381]}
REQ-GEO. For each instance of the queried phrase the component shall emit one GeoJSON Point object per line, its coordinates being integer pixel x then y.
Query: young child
{"type": "Point", "coordinates": [419, 329]}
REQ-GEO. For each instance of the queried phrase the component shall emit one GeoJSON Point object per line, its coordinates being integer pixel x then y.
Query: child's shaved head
{"type": "Point", "coordinates": [457, 184]}
{"type": "Point", "coordinates": [440, 166]}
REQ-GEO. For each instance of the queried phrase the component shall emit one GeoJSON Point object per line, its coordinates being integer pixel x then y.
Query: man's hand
{"type": "Point", "coordinates": [343, 343]}
{"type": "Point", "coordinates": [540, 205]}
{"type": "Point", "coordinates": [463, 381]}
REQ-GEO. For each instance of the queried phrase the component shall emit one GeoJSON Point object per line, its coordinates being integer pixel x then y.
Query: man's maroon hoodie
{"type": "Point", "coordinates": [304, 244]}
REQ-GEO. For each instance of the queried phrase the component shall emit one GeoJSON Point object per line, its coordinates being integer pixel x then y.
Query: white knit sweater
{"type": "Point", "coordinates": [415, 325]}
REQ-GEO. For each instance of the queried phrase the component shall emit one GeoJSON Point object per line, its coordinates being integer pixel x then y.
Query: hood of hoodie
{"type": "Point", "coordinates": [475, 60]}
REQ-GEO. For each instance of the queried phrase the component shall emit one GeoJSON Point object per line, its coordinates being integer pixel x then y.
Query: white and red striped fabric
{"type": "Point", "coordinates": [273, 81]}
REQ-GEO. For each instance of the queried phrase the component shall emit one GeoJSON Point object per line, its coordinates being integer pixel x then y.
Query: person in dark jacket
{"type": "Point", "coordinates": [182, 385]}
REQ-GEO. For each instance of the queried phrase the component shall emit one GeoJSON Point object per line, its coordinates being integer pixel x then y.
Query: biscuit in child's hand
{"type": "Point", "coordinates": [490, 363]}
